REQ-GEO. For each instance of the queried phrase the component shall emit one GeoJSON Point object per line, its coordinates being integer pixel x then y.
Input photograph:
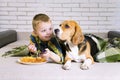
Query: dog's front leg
{"type": "Point", "coordinates": [67, 64]}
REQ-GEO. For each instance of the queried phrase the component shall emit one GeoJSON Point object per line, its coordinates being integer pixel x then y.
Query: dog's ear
{"type": "Point", "coordinates": [78, 36]}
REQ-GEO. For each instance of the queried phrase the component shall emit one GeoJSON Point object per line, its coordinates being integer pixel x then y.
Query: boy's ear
{"type": "Point", "coordinates": [34, 33]}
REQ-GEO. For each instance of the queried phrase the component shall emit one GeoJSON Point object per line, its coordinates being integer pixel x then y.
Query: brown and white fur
{"type": "Point", "coordinates": [70, 32]}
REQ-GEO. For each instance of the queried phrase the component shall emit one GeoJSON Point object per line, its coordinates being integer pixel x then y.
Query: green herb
{"type": "Point", "coordinates": [17, 51]}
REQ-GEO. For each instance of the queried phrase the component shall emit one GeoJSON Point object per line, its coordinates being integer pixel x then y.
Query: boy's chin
{"type": "Point", "coordinates": [47, 39]}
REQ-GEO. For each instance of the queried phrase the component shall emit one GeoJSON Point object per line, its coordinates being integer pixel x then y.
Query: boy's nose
{"type": "Point", "coordinates": [49, 32]}
{"type": "Point", "coordinates": [56, 31]}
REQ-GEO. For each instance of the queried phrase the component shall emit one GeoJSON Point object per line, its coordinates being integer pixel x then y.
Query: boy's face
{"type": "Point", "coordinates": [44, 31]}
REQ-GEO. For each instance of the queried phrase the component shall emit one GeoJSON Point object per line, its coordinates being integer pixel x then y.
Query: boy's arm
{"type": "Point", "coordinates": [31, 46]}
{"type": "Point", "coordinates": [51, 55]}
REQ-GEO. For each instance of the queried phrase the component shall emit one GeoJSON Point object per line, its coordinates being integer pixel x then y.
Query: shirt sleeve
{"type": "Point", "coordinates": [55, 45]}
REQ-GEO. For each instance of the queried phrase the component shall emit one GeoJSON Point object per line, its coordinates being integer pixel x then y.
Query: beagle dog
{"type": "Point", "coordinates": [78, 48]}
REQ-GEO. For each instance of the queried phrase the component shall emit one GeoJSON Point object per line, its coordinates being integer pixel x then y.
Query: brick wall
{"type": "Point", "coordinates": [92, 15]}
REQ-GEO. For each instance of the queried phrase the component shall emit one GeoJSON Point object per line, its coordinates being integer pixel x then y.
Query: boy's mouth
{"type": "Point", "coordinates": [48, 36]}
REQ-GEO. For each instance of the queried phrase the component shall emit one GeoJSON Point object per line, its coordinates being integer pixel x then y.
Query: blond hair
{"type": "Point", "coordinates": [38, 18]}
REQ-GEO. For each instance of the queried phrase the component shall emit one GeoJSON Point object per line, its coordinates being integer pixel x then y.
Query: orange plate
{"type": "Point", "coordinates": [31, 60]}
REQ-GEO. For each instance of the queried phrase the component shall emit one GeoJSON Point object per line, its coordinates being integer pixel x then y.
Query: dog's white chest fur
{"type": "Point", "coordinates": [74, 54]}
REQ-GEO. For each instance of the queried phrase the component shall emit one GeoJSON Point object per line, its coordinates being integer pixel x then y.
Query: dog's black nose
{"type": "Point", "coordinates": [56, 31]}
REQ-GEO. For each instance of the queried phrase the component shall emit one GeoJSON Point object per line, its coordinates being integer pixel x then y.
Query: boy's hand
{"type": "Point", "coordinates": [32, 48]}
{"type": "Point", "coordinates": [46, 54]}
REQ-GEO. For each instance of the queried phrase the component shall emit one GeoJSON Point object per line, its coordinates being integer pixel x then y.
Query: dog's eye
{"type": "Point", "coordinates": [66, 26]}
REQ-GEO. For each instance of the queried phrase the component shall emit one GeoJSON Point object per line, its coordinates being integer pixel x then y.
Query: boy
{"type": "Point", "coordinates": [43, 40]}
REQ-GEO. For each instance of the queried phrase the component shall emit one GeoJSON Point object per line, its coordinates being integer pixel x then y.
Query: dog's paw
{"type": "Point", "coordinates": [84, 67]}
{"type": "Point", "coordinates": [86, 64]}
{"type": "Point", "coordinates": [67, 66]}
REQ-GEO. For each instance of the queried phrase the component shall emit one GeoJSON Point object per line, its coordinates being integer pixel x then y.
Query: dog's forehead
{"type": "Point", "coordinates": [69, 23]}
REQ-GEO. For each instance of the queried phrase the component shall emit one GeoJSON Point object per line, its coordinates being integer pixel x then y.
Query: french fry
{"type": "Point", "coordinates": [32, 59]}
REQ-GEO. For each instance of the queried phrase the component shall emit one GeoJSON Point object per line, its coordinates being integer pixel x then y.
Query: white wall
{"type": "Point", "coordinates": [92, 15]}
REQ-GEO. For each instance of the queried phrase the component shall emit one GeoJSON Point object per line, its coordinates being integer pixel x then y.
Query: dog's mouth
{"type": "Point", "coordinates": [60, 39]}
{"type": "Point", "coordinates": [57, 34]}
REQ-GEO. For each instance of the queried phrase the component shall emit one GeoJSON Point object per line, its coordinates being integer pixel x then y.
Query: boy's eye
{"type": "Point", "coordinates": [43, 30]}
{"type": "Point", "coordinates": [51, 28]}
{"type": "Point", "coordinates": [66, 26]}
